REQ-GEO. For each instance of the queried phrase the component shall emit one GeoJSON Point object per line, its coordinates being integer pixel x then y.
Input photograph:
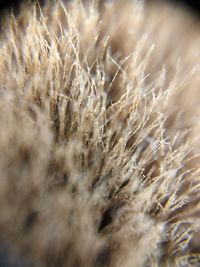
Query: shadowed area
{"type": "Point", "coordinates": [7, 259]}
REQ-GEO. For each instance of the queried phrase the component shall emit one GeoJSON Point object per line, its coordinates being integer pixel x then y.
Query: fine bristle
{"type": "Point", "coordinates": [99, 142]}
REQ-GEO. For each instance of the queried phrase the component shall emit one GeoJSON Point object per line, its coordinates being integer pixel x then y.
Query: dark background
{"type": "Point", "coordinates": [8, 3]}
{"type": "Point", "coordinates": [193, 5]}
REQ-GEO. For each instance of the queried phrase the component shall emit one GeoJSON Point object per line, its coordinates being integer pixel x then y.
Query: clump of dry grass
{"type": "Point", "coordinates": [99, 135]}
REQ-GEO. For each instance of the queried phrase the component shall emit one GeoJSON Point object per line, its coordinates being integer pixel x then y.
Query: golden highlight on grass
{"type": "Point", "coordinates": [99, 135]}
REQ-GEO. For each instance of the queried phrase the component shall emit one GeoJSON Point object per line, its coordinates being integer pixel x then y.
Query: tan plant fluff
{"type": "Point", "coordinates": [99, 145]}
